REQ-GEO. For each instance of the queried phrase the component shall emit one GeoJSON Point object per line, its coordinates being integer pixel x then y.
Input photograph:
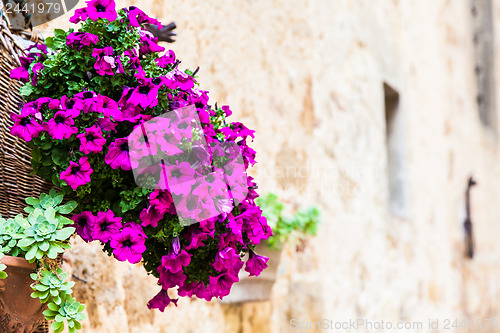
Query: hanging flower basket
{"type": "Point", "coordinates": [154, 173]}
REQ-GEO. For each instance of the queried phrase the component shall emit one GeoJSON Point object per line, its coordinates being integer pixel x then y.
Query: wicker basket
{"type": "Point", "coordinates": [16, 183]}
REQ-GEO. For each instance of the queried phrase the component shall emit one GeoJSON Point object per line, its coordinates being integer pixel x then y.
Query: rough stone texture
{"type": "Point", "coordinates": [308, 76]}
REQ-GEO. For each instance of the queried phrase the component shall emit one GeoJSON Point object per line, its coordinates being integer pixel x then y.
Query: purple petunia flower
{"type": "Point", "coordinates": [83, 225]}
{"type": "Point", "coordinates": [148, 43]}
{"type": "Point", "coordinates": [166, 59]}
{"type": "Point", "coordinates": [105, 62]}
{"type": "Point", "coordinates": [109, 107]}
{"type": "Point", "coordinates": [81, 39]}
{"type": "Point", "coordinates": [228, 260]}
{"type": "Point", "coordinates": [73, 106]}
{"type": "Point", "coordinates": [118, 156]}
{"type": "Point", "coordinates": [161, 301]}
{"type": "Point", "coordinates": [101, 9]}
{"type": "Point", "coordinates": [137, 17]}
{"type": "Point", "coordinates": [137, 227]}
{"type": "Point", "coordinates": [80, 15]}
{"type": "Point", "coordinates": [180, 177]}
{"type": "Point", "coordinates": [36, 71]}
{"type": "Point", "coordinates": [220, 285]}
{"type": "Point", "coordinates": [21, 73]}
{"type": "Point", "coordinates": [163, 199]}
{"type": "Point", "coordinates": [144, 95]}
{"type": "Point", "coordinates": [174, 262]}
{"type": "Point", "coordinates": [170, 280]}
{"type": "Point", "coordinates": [183, 80]}
{"type": "Point", "coordinates": [61, 126]}
{"type": "Point", "coordinates": [152, 215]}
{"type": "Point", "coordinates": [255, 264]}
{"type": "Point", "coordinates": [128, 245]}
{"type": "Point", "coordinates": [77, 173]}
{"type": "Point", "coordinates": [26, 125]}
{"type": "Point", "coordinates": [106, 226]}
{"type": "Point", "coordinates": [92, 140]}
{"type": "Point", "coordinates": [195, 238]}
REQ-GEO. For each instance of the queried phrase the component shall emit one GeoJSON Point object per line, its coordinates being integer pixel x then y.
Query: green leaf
{"type": "Point", "coordinates": [59, 156]}
{"type": "Point", "coordinates": [25, 242]}
{"type": "Point", "coordinates": [32, 201]}
{"type": "Point", "coordinates": [56, 325]}
{"type": "Point", "coordinates": [19, 219]}
{"type": "Point", "coordinates": [3, 275]}
{"type": "Point", "coordinates": [30, 255]}
{"type": "Point", "coordinates": [68, 207]}
{"type": "Point", "coordinates": [41, 287]}
{"type": "Point", "coordinates": [50, 213]}
{"type": "Point", "coordinates": [26, 90]}
{"type": "Point", "coordinates": [36, 154]}
{"type": "Point", "coordinates": [49, 313]}
{"type": "Point", "coordinates": [53, 307]}
{"type": "Point", "coordinates": [54, 251]}
{"type": "Point", "coordinates": [39, 254]}
{"type": "Point", "coordinates": [64, 233]}
{"type": "Point", "coordinates": [45, 246]}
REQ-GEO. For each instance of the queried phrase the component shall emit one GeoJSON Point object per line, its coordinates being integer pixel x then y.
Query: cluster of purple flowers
{"type": "Point", "coordinates": [126, 239]}
{"type": "Point", "coordinates": [93, 126]}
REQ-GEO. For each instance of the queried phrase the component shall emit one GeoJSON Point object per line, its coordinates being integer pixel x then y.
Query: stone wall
{"type": "Point", "coordinates": [309, 76]}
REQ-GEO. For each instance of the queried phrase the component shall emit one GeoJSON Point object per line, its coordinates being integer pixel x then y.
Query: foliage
{"type": "Point", "coordinates": [44, 232]}
{"type": "Point", "coordinates": [51, 285]}
{"type": "Point", "coordinates": [68, 310]}
{"type": "Point", "coordinates": [287, 227]}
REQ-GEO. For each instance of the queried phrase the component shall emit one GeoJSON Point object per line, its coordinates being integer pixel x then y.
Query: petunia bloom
{"type": "Point", "coordinates": [26, 125]}
{"type": "Point", "coordinates": [36, 71]}
{"type": "Point", "coordinates": [118, 156]}
{"type": "Point", "coordinates": [137, 17]}
{"type": "Point", "coordinates": [77, 173]}
{"type": "Point", "coordinates": [106, 226]}
{"type": "Point", "coordinates": [21, 73]}
{"type": "Point", "coordinates": [128, 245]}
{"type": "Point", "coordinates": [221, 284]}
{"type": "Point", "coordinates": [174, 262]}
{"type": "Point", "coordinates": [144, 95]}
{"type": "Point", "coordinates": [80, 15]}
{"type": "Point", "coordinates": [180, 177]}
{"type": "Point", "coordinates": [81, 39]}
{"type": "Point", "coordinates": [83, 225]}
{"type": "Point", "coordinates": [161, 301]}
{"type": "Point", "coordinates": [61, 126]}
{"type": "Point", "coordinates": [92, 140]}
{"type": "Point", "coordinates": [101, 9]}
{"type": "Point", "coordinates": [256, 264]}
{"type": "Point", "coordinates": [105, 62]}
{"type": "Point", "coordinates": [152, 215]}
{"type": "Point", "coordinates": [167, 59]}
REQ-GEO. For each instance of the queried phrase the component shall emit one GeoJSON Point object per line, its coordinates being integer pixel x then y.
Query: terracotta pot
{"type": "Point", "coordinates": [256, 288]}
{"type": "Point", "coordinates": [19, 313]}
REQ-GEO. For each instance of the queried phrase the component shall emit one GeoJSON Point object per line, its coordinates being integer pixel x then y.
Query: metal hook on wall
{"type": "Point", "coordinates": [468, 227]}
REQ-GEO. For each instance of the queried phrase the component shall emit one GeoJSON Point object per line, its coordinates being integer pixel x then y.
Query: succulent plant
{"type": "Point", "coordinates": [69, 310]}
{"type": "Point", "coordinates": [51, 285]}
{"type": "Point", "coordinates": [43, 232]}
{"type": "Point", "coordinates": [42, 236]}
{"type": "Point", "coordinates": [9, 235]}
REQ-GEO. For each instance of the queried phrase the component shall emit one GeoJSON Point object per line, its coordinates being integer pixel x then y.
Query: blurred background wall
{"type": "Point", "coordinates": [376, 111]}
